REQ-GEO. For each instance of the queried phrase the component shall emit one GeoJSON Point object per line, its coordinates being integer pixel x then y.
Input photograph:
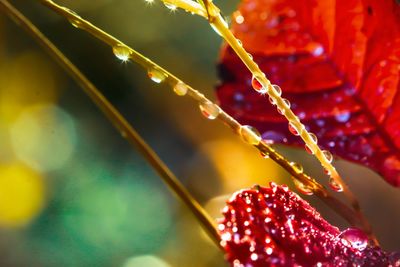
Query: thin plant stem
{"type": "Point", "coordinates": [125, 52]}
{"type": "Point", "coordinates": [220, 26]}
{"type": "Point", "coordinates": [119, 122]}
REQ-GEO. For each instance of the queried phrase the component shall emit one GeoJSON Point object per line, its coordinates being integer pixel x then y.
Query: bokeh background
{"type": "Point", "coordinates": [73, 193]}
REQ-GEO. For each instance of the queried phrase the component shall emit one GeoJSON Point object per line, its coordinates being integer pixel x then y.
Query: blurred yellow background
{"type": "Point", "coordinates": [73, 193]}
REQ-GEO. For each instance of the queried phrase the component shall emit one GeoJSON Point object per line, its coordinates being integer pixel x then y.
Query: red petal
{"type": "Point", "coordinates": [337, 61]}
{"type": "Point", "coordinates": [275, 227]}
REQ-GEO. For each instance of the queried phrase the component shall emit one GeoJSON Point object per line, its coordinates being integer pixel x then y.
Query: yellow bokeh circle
{"type": "Point", "coordinates": [21, 195]}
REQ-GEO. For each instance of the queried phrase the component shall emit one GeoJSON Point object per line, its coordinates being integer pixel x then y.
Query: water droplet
{"type": "Point", "coordinates": [313, 137]}
{"type": "Point", "coordinates": [308, 149]}
{"type": "Point", "coordinates": [280, 110]}
{"type": "Point", "coordinates": [272, 101]}
{"type": "Point", "coordinates": [239, 42]}
{"type": "Point", "coordinates": [354, 238]}
{"type": "Point", "coordinates": [343, 117]}
{"type": "Point", "coordinates": [265, 155]}
{"type": "Point", "coordinates": [335, 185]}
{"type": "Point", "coordinates": [122, 52]}
{"type": "Point", "coordinates": [250, 135]}
{"type": "Point", "coordinates": [250, 56]}
{"type": "Point", "coordinates": [156, 75]}
{"type": "Point", "coordinates": [257, 85]}
{"type": "Point", "coordinates": [293, 129]}
{"type": "Point", "coordinates": [297, 167]}
{"type": "Point", "coordinates": [286, 102]}
{"type": "Point", "coordinates": [209, 110]}
{"type": "Point", "coordinates": [76, 23]}
{"type": "Point", "coordinates": [305, 190]}
{"type": "Point", "coordinates": [277, 89]}
{"type": "Point", "coordinates": [180, 89]}
{"type": "Point", "coordinates": [170, 6]}
{"type": "Point", "coordinates": [327, 155]}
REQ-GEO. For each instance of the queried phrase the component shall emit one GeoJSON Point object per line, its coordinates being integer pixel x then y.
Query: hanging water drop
{"type": "Point", "coordinates": [76, 23]}
{"type": "Point", "coordinates": [327, 155]}
{"type": "Point", "coordinates": [304, 189]}
{"type": "Point", "coordinates": [156, 75]}
{"type": "Point", "coordinates": [336, 186]}
{"type": "Point", "coordinates": [297, 167]}
{"type": "Point", "coordinates": [257, 85]}
{"type": "Point", "coordinates": [180, 89]}
{"type": "Point", "coordinates": [264, 154]}
{"type": "Point", "coordinates": [277, 89]}
{"type": "Point", "coordinates": [239, 42]}
{"type": "Point", "coordinates": [280, 110]}
{"type": "Point", "coordinates": [293, 129]}
{"type": "Point", "coordinates": [209, 110]}
{"type": "Point", "coordinates": [313, 137]}
{"type": "Point", "coordinates": [122, 52]}
{"type": "Point", "coordinates": [250, 56]}
{"type": "Point", "coordinates": [286, 102]}
{"type": "Point", "coordinates": [250, 135]}
{"type": "Point", "coordinates": [308, 149]}
{"type": "Point", "coordinates": [170, 6]}
{"type": "Point", "coordinates": [272, 101]}
{"type": "Point", "coordinates": [354, 238]}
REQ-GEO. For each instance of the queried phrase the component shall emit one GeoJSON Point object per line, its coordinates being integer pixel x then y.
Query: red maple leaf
{"type": "Point", "coordinates": [337, 61]}
{"type": "Point", "coordinates": [275, 227]}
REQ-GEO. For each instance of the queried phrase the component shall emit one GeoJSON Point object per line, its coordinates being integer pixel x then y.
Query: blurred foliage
{"type": "Point", "coordinates": [72, 193]}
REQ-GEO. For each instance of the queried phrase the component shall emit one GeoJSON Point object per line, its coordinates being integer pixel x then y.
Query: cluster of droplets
{"type": "Point", "coordinates": [294, 127]}
{"type": "Point", "coordinates": [274, 227]}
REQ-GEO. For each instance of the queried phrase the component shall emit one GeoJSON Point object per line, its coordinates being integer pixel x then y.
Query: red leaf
{"type": "Point", "coordinates": [275, 227]}
{"type": "Point", "coordinates": [337, 61]}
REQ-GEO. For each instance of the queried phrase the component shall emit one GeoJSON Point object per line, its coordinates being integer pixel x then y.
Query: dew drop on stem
{"type": "Point", "coordinates": [335, 185]}
{"type": "Point", "coordinates": [250, 135]}
{"type": "Point", "coordinates": [122, 52]}
{"type": "Point", "coordinates": [180, 89]}
{"type": "Point", "coordinates": [302, 188]}
{"type": "Point", "coordinates": [156, 75]}
{"type": "Point", "coordinates": [328, 156]}
{"type": "Point", "coordinates": [209, 110]}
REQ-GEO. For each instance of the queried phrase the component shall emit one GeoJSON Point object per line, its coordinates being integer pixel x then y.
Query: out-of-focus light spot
{"type": "Point", "coordinates": [43, 137]}
{"type": "Point", "coordinates": [240, 166]}
{"type": "Point", "coordinates": [127, 215]}
{"type": "Point", "coordinates": [26, 80]}
{"type": "Point", "coordinates": [21, 195]}
{"type": "Point", "coordinates": [145, 260]}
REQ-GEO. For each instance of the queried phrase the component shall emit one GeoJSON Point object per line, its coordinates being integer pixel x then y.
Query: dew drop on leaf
{"type": "Point", "coordinates": [354, 238]}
